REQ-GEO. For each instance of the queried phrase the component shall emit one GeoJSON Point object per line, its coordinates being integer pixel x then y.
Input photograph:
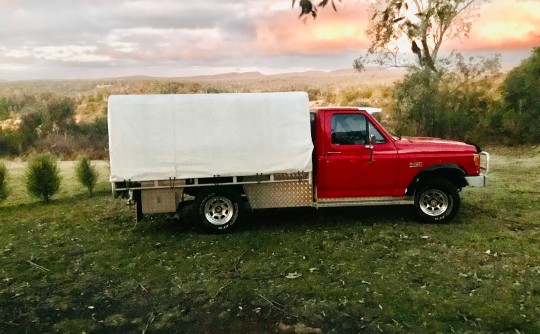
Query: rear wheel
{"type": "Point", "coordinates": [437, 201]}
{"type": "Point", "coordinates": [217, 210]}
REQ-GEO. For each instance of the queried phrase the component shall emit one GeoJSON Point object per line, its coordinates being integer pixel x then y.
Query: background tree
{"type": "Point", "coordinates": [43, 177]}
{"type": "Point", "coordinates": [3, 182]}
{"type": "Point", "coordinates": [438, 97]}
{"type": "Point", "coordinates": [9, 145]}
{"type": "Point", "coordinates": [454, 102]}
{"type": "Point", "coordinates": [29, 129]}
{"type": "Point", "coordinates": [425, 24]}
{"type": "Point", "coordinates": [518, 116]}
{"type": "Point", "coordinates": [60, 115]}
{"type": "Point", "coordinates": [86, 173]}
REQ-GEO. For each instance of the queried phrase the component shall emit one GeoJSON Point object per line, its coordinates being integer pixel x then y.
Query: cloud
{"type": "Point", "coordinates": [65, 53]}
{"type": "Point", "coordinates": [168, 37]}
{"type": "Point", "coordinates": [332, 32]}
{"type": "Point", "coordinates": [504, 25]}
{"type": "Point", "coordinates": [162, 44]}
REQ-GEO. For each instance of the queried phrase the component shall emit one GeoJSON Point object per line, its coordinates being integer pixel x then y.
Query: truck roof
{"type": "Point", "coordinates": [369, 110]}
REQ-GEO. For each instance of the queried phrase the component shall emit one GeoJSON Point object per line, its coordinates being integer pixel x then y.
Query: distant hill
{"type": "Point", "coordinates": [372, 75]}
{"type": "Point", "coordinates": [233, 82]}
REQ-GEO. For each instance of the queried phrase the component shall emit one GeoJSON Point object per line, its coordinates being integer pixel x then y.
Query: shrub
{"type": "Point", "coordinates": [518, 116]}
{"type": "Point", "coordinates": [4, 108]}
{"type": "Point", "coordinates": [8, 143]}
{"type": "Point", "coordinates": [43, 176]}
{"type": "Point", "coordinates": [86, 173]}
{"type": "Point", "coordinates": [3, 183]}
{"type": "Point", "coordinates": [452, 103]}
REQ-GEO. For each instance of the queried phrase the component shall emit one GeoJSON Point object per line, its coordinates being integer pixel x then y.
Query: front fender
{"type": "Point", "coordinates": [451, 172]}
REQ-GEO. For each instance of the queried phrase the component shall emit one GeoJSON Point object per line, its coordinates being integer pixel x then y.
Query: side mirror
{"type": "Point", "coordinates": [372, 140]}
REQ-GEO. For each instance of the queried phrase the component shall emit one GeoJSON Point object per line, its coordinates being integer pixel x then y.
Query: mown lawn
{"type": "Point", "coordinates": [81, 264]}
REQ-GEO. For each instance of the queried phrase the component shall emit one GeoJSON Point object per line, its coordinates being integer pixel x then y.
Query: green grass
{"type": "Point", "coordinates": [82, 264]}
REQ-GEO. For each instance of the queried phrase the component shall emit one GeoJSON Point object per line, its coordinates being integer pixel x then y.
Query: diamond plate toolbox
{"type": "Point", "coordinates": [279, 195]}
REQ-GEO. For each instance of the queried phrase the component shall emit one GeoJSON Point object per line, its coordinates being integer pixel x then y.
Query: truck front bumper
{"type": "Point", "coordinates": [481, 180]}
{"type": "Point", "coordinates": [477, 181]}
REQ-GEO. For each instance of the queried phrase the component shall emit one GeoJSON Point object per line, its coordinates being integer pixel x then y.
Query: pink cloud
{"type": "Point", "coordinates": [331, 32]}
{"type": "Point", "coordinates": [501, 25]}
{"type": "Point", "coordinates": [504, 25]}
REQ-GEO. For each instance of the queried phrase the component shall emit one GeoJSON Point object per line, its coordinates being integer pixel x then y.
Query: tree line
{"type": "Point", "coordinates": [468, 99]}
{"type": "Point", "coordinates": [465, 99]}
{"type": "Point", "coordinates": [47, 123]}
{"type": "Point", "coordinates": [449, 97]}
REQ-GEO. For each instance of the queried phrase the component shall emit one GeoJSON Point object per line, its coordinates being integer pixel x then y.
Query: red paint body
{"type": "Point", "coordinates": [386, 170]}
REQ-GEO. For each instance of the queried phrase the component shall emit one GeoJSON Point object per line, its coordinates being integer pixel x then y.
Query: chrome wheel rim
{"type": "Point", "coordinates": [218, 210]}
{"type": "Point", "coordinates": [434, 202]}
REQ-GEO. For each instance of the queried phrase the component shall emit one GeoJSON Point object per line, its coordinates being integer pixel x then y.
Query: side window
{"type": "Point", "coordinates": [349, 129]}
{"type": "Point", "coordinates": [379, 139]}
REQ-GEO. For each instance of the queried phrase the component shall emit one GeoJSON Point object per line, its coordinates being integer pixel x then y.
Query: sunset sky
{"type": "Point", "coordinates": [60, 39]}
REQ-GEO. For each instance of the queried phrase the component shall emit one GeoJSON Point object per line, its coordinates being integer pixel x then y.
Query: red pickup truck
{"type": "Point", "coordinates": [269, 150]}
{"type": "Point", "coordinates": [358, 160]}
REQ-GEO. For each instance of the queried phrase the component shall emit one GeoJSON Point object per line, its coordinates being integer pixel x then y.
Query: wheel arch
{"type": "Point", "coordinates": [235, 189]}
{"type": "Point", "coordinates": [451, 172]}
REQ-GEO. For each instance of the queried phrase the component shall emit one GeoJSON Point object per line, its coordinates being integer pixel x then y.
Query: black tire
{"type": "Point", "coordinates": [436, 201]}
{"type": "Point", "coordinates": [217, 210]}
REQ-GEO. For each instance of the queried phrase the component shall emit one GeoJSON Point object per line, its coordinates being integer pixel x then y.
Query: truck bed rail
{"type": "Point", "coordinates": [218, 180]}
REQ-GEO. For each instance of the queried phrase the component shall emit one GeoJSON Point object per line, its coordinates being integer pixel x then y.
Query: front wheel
{"type": "Point", "coordinates": [437, 201]}
{"type": "Point", "coordinates": [217, 210]}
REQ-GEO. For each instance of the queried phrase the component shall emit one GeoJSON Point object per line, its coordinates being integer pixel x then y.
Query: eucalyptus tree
{"type": "Point", "coordinates": [421, 25]}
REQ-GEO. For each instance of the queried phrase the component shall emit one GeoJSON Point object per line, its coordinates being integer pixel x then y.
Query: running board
{"type": "Point", "coordinates": [363, 201]}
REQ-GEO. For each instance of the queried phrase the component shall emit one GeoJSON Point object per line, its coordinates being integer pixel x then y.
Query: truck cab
{"type": "Point", "coordinates": [359, 162]}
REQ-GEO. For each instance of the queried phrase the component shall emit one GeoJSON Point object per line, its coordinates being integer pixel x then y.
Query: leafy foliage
{"type": "Point", "coordinates": [426, 24]}
{"type": "Point", "coordinates": [59, 114]}
{"type": "Point", "coordinates": [4, 108]}
{"type": "Point", "coordinates": [43, 176]}
{"type": "Point", "coordinates": [452, 98]}
{"type": "Point", "coordinates": [86, 173]}
{"type": "Point", "coordinates": [516, 119]}
{"type": "Point", "coordinates": [3, 183]}
{"type": "Point", "coordinates": [9, 145]}
{"type": "Point", "coordinates": [42, 119]}
{"type": "Point", "coordinates": [30, 129]}
{"type": "Point", "coordinates": [46, 123]}
{"type": "Point", "coordinates": [452, 103]}
{"type": "Point", "coordinates": [307, 7]}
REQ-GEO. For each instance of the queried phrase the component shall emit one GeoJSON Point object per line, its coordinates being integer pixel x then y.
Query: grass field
{"type": "Point", "coordinates": [81, 264]}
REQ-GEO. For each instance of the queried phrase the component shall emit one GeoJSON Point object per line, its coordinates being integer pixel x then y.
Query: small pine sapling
{"type": "Point", "coordinates": [43, 177]}
{"type": "Point", "coordinates": [86, 173]}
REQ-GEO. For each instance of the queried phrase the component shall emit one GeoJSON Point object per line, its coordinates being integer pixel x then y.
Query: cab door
{"type": "Point", "coordinates": [350, 165]}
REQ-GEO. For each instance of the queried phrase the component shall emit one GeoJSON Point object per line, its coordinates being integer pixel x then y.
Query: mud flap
{"type": "Point", "coordinates": [138, 205]}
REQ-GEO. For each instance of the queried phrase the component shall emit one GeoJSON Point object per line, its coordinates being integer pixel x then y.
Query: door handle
{"type": "Point", "coordinates": [332, 153]}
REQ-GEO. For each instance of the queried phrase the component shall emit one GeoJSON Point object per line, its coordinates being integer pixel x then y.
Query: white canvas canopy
{"type": "Point", "coordinates": [157, 137]}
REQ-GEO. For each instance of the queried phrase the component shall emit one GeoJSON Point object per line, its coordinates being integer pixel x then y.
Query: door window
{"type": "Point", "coordinates": [379, 139]}
{"type": "Point", "coordinates": [349, 129]}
